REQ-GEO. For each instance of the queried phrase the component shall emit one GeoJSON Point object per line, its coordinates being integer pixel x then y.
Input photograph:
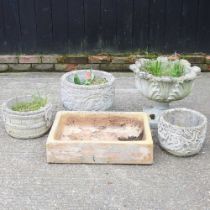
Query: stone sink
{"type": "Point", "coordinates": [100, 137]}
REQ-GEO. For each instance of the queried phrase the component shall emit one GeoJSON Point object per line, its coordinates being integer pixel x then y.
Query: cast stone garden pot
{"type": "Point", "coordinates": [87, 97]}
{"type": "Point", "coordinates": [165, 89]}
{"type": "Point", "coordinates": [182, 131]}
{"type": "Point", "coordinates": [26, 125]}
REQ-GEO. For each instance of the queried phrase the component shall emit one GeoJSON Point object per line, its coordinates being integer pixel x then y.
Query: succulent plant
{"type": "Point", "coordinates": [90, 79]}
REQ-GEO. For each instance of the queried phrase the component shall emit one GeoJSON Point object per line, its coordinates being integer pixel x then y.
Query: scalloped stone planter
{"type": "Point", "coordinates": [181, 131]}
{"type": "Point", "coordinates": [26, 125]}
{"type": "Point", "coordinates": [163, 90]}
{"type": "Point", "coordinates": [87, 98]}
{"type": "Point", "coordinates": [100, 137]}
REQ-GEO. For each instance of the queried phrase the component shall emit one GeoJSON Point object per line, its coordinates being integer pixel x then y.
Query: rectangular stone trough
{"type": "Point", "coordinates": [100, 138]}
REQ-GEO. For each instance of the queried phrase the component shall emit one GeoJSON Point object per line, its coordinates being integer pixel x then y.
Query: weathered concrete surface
{"type": "Point", "coordinates": [28, 182]}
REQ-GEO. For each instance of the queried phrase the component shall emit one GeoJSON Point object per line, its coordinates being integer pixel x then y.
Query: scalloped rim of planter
{"type": "Point", "coordinates": [108, 76]}
{"type": "Point", "coordinates": [191, 72]}
{"type": "Point", "coordinates": [53, 143]}
{"type": "Point", "coordinates": [6, 108]}
{"type": "Point", "coordinates": [204, 118]}
{"type": "Point", "coordinates": [187, 77]}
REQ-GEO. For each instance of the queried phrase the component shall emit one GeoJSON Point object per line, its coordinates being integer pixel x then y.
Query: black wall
{"type": "Point", "coordinates": [69, 26]}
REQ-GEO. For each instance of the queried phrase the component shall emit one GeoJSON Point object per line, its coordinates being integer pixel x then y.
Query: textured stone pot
{"type": "Point", "coordinates": [87, 98]}
{"type": "Point", "coordinates": [26, 125]}
{"type": "Point", "coordinates": [182, 131]}
{"type": "Point", "coordinates": [163, 90]}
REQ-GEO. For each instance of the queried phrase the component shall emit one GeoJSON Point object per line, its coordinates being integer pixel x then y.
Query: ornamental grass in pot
{"type": "Point", "coordinates": [87, 90]}
{"type": "Point", "coordinates": [27, 117]}
{"type": "Point", "coordinates": [163, 80]}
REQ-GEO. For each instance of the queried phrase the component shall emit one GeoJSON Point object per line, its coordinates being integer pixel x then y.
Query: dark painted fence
{"type": "Point", "coordinates": [68, 26]}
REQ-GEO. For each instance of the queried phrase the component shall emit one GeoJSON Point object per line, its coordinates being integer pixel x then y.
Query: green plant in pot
{"type": "Point", "coordinates": [167, 69]}
{"type": "Point", "coordinates": [36, 103]}
{"type": "Point", "coordinates": [90, 79]}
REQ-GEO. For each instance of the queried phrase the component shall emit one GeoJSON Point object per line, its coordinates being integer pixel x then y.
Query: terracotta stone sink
{"type": "Point", "coordinates": [100, 137]}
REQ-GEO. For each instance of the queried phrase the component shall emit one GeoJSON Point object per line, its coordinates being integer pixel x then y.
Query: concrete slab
{"type": "Point", "coordinates": [28, 182]}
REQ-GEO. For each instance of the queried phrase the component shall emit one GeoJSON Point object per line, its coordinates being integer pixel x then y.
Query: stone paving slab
{"type": "Point", "coordinates": [28, 182]}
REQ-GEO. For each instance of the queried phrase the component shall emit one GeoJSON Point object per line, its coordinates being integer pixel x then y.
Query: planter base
{"type": "Point", "coordinates": [154, 113]}
{"type": "Point", "coordinates": [100, 138]}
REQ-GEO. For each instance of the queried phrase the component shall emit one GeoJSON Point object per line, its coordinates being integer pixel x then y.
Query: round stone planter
{"type": "Point", "coordinates": [163, 90]}
{"type": "Point", "coordinates": [181, 131]}
{"type": "Point", "coordinates": [26, 125]}
{"type": "Point", "coordinates": [87, 97]}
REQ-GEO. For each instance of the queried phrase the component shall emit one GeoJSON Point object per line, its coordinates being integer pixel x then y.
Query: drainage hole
{"type": "Point", "coordinates": [152, 116]}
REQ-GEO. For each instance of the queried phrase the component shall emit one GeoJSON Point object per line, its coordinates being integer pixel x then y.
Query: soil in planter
{"type": "Point", "coordinates": [99, 81]}
{"type": "Point", "coordinates": [95, 81]}
{"type": "Point", "coordinates": [111, 129]}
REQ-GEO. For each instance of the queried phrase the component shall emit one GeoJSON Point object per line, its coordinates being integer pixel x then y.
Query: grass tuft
{"type": "Point", "coordinates": [160, 68]}
{"type": "Point", "coordinates": [36, 103]}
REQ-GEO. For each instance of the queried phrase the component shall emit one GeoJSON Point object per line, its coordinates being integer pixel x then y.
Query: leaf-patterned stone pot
{"type": "Point", "coordinates": [87, 97]}
{"type": "Point", "coordinates": [26, 125]}
{"type": "Point", "coordinates": [181, 131]}
{"type": "Point", "coordinates": [164, 89]}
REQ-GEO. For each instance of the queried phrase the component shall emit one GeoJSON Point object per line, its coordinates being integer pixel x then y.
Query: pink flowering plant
{"type": "Point", "coordinates": [90, 79]}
